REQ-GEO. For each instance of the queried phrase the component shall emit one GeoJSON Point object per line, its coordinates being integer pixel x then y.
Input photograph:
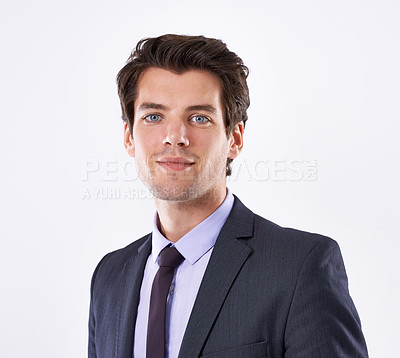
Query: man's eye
{"type": "Point", "coordinates": [152, 117]}
{"type": "Point", "coordinates": [199, 119]}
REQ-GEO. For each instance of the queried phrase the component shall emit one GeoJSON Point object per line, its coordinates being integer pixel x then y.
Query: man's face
{"type": "Point", "coordinates": [179, 140]}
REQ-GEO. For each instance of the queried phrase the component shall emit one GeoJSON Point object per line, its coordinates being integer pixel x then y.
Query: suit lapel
{"type": "Point", "coordinates": [227, 259]}
{"type": "Point", "coordinates": [129, 299]}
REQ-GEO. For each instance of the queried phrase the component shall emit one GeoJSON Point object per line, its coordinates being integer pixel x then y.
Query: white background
{"type": "Point", "coordinates": [324, 87]}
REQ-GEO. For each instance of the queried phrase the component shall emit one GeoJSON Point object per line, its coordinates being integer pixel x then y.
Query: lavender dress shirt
{"type": "Point", "coordinates": [196, 247]}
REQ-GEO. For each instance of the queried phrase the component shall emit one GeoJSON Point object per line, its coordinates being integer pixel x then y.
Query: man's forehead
{"type": "Point", "coordinates": [193, 78]}
{"type": "Point", "coordinates": [160, 89]}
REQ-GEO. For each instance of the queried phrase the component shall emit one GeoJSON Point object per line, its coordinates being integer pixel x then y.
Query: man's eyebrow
{"type": "Point", "coordinates": [203, 107]}
{"type": "Point", "coordinates": [198, 107]}
{"type": "Point", "coordinates": [150, 105]}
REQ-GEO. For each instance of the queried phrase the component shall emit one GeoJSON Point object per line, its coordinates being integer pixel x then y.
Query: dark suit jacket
{"type": "Point", "coordinates": [267, 291]}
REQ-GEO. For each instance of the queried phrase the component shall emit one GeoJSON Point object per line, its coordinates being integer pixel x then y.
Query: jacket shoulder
{"type": "Point", "coordinates": [288, 237]}
{"type": "Point", "coordinates": [112, 264]}
{"type": "Point", "coordinates": [125, 253]}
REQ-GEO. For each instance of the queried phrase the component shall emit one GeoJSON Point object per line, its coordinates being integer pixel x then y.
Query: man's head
{"type": "Point", "coordinates": [179, 54]}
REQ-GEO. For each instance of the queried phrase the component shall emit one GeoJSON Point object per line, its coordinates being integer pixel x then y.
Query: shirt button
{"type": "Point", "coordinates": [171, 288]}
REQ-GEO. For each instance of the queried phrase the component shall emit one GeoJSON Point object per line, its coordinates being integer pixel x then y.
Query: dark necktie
{"type": "Point", "coordinates": [169, 259]}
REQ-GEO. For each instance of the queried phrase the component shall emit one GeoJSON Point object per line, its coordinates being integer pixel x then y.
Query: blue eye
{"type": "Point", "coordinates": [152, 118]}
{"type": "Point", "coordinates": [199, 119]}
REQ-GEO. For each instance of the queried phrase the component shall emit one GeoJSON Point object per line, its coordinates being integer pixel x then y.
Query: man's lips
{"type": "Point", "coordinates": [175, 163]}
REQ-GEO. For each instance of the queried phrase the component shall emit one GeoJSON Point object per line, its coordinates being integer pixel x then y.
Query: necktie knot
{"type": "Point", "coordinates": [170, 257]}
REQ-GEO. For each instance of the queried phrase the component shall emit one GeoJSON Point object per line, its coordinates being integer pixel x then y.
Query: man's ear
{"type": "Point", "coordinates": [128, 141]}
{"type": "Point", "coordinates": [236, 141]}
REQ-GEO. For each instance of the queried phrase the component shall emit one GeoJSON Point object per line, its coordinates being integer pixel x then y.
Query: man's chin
{"type": "Point", "coordinates": [177, 194]}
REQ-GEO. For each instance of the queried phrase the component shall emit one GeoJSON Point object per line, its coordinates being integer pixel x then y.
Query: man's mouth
{"type": "Point", "coordinates": [175, 163]}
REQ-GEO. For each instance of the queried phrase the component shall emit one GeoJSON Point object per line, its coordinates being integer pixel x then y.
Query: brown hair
{"type": "Point", "coordinates": [179, 53]}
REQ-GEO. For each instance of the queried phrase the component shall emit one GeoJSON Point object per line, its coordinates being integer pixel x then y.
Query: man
{"type": "Point", "coordinates": [212, 279]}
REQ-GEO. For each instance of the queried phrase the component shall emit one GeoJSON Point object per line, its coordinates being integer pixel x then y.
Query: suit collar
{"type": "Point", "coordinates": [240, 221]}
{"type": "Point", "coordinates": [228, 257]}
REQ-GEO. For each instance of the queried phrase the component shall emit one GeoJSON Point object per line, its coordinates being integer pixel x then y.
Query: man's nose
{"type": "Point", "coordinates": [176, 134]}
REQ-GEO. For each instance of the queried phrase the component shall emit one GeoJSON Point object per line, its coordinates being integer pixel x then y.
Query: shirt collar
{"type": "Point", "coordinates": [200, 239]}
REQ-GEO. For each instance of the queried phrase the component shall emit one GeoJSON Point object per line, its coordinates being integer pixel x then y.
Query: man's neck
{"type": "Point", "coordinates": [178, 218]}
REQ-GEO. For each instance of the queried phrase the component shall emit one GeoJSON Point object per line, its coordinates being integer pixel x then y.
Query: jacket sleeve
{"type": "Point", "coordinates": [92, 319]}
{"type": "Point", "coordinates": [322, 320]}
{"type": "Point", "coordinates": [91, 346]}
